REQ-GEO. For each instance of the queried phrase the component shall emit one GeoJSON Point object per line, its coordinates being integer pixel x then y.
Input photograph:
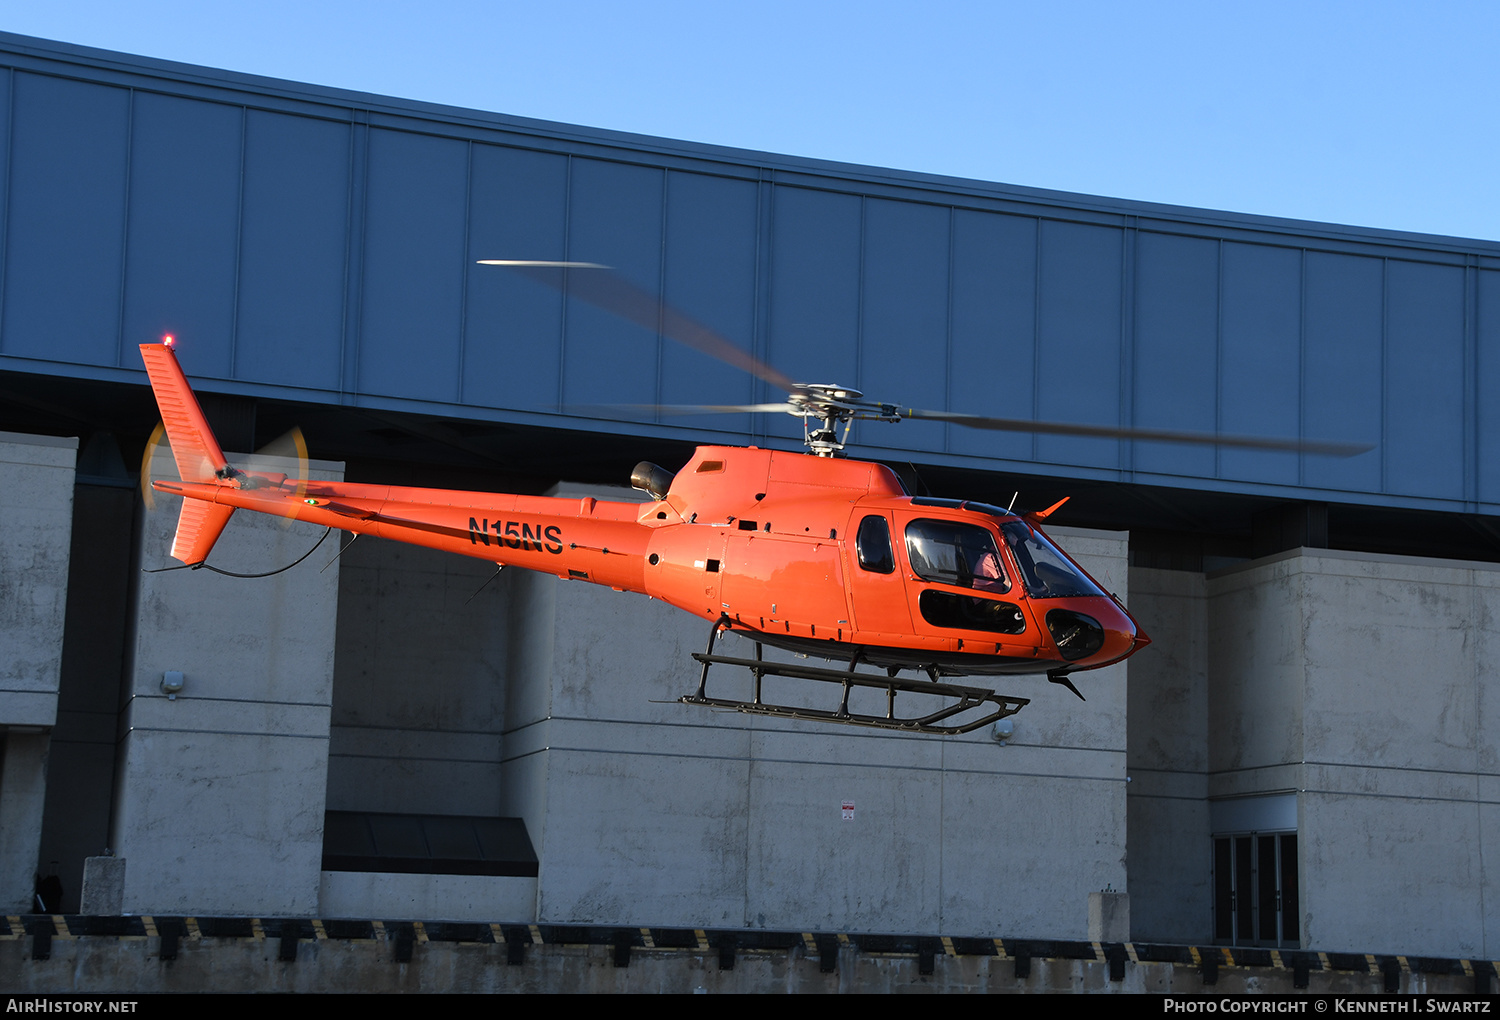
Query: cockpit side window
{"type": "Point", "coordinates": [950, 552]}
{"type": "Point", "coordinates": [873, 543]}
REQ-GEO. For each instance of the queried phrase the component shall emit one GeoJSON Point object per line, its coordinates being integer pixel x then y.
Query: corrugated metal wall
{"type": "Point", "coordinates": [321, 245]}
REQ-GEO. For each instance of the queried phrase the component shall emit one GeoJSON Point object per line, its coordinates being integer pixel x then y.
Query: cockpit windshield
{"type": "Point", "coordinates": [1045, 571]}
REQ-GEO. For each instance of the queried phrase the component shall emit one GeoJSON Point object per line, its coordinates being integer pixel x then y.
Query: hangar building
{"type": "Point", "coordinates": [1301, 758]}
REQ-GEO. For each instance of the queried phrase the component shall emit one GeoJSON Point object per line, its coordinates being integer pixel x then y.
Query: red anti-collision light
{"type": "Point", "coordinates": [169, 340]}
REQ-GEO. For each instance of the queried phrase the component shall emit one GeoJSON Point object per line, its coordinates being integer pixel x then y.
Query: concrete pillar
{"type": "Point", "coordinates": [1109, 916]}
{"type": "Point", "coordinates": [23, 791]}
{"type": "Point", "coordinates": [36, 521]}
{"type": "Point", "coordinates": [1170, 880]}
{"type": "Point", "coordinates": [221, 790]}
{"type": "Point", "coordinates": [637, 806]}
{"type": "Point", "coordinates": [81, 757]}
{"type": "Point", "coordinates": [103, 886]}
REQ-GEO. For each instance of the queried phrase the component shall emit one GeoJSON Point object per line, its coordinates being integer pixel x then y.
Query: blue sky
{"type": "Point", "coordinates": [1377, 114]}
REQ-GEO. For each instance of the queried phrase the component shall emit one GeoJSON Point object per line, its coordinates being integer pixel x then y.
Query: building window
{"type": "Point", "coordinates": [1255, 889]}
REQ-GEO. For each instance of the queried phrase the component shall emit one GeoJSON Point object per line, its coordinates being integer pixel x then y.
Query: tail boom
{"type": "Point", "coordinates": [578, 539]}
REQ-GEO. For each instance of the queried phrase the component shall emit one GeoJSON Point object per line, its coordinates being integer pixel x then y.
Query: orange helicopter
{"type": "Point", "coordinates": [805, 552]}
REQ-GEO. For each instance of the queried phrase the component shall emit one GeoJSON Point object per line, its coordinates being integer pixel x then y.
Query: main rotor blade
{"type": "Point", "coordinates": [636, 409]}
{"type": "Point", "coordinates": [975, 421]}
{"type": "Point", "coordinates": [606, 289]}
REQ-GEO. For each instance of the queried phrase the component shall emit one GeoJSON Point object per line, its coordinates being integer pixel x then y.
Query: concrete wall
{"type": "Point", "coordinates": [481, 898]}
{"type": "Point", "coordinates": [1353, 688]}
{"type": "Point", "coordinates": [81, 754]}
{"type": "Point", "coordinates": [1168, 749]}
{"type": "Point", "coordinates": [1368, 685]}
{"type": "Point", "coordinates": [419, 682]}
{"type": "Point", "coordinates": [36, 522]}
{"type": "Point", "coordinates": [645, 811]}
{"type": "Point", "coordinates": [1357, 690]}
{"type": "Point", "coordinates": [95, 964]}
{"type": "Point", "coordinates": [1356, 685]}
{"type": "Point", "coordinates": [221, 791]}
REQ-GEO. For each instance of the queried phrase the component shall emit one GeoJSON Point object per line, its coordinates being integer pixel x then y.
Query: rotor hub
{"type": "Point", "coordinates": [833, 405]}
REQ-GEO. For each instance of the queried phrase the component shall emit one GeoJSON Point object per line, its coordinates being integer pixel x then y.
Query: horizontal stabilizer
{"type": "Point", "coordinates": [198, 528]}
{"type": "Point", "coordinates": [199, 458]}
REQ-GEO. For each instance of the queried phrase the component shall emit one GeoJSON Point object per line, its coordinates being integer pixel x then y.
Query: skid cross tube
{"type": "Point", "coordinates": [966, 699]}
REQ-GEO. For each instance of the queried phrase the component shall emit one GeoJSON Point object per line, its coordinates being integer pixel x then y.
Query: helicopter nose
{"type": "Point", "coordinates": [1094, 632]}
{"type": "Point", "coordinates": [1123, 636]}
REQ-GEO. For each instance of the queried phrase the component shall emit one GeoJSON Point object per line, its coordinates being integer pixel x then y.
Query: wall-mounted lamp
{"type": "Point", "coordinates": [171, 684]}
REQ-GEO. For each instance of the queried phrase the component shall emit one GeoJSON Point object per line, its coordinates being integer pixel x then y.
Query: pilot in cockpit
{"type": "Point", "coordinates": [988, 574]}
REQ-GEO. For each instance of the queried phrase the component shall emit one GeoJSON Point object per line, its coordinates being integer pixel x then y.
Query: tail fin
{"type": "Point", "coordinates": [197, 452]}
{"type": "Point", "coordinates": [199, 458]}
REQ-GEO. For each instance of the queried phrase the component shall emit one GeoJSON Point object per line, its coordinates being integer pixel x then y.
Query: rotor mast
{"type": "Point", "coordinates": [833, 406]}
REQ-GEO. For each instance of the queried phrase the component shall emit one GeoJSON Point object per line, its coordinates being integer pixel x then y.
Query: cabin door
{"type": "Point", "coordinates": [877, 585]}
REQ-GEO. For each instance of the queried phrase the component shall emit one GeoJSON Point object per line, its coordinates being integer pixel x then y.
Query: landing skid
{"type": "Point", "coordinates": [967, 700]}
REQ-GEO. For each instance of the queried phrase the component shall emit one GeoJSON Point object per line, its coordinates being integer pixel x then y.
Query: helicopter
{"type": "Point", "coordinates": [811, 553]}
